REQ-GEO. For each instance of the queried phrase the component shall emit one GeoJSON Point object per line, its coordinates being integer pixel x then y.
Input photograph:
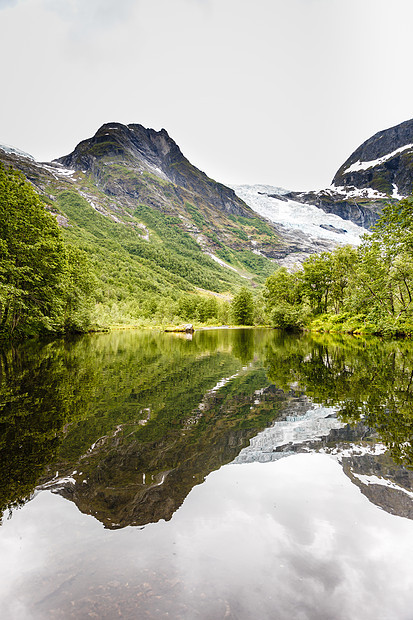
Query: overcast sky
{"type": "Point", "coordinates": [253, 91]}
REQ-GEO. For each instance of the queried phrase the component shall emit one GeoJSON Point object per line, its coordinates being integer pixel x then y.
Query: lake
{"type": "Point", "coordinates": [235, 474]}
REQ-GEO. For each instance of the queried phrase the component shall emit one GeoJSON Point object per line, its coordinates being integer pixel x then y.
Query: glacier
{"type": "Point", "coordinates": [268, 201]}
{"type": "Point", "coordinates": [11, 149]}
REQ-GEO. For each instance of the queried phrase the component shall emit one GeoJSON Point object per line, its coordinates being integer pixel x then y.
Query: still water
{"type": "Point", "coordinates": [237, 474]}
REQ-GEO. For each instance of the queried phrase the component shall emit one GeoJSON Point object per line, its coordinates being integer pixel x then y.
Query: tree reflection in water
{"type": "Point", "coordinates": [131, 421]}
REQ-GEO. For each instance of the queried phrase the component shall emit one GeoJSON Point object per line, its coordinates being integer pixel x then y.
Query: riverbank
{"type": "Point", "coordinates": [358, 325]}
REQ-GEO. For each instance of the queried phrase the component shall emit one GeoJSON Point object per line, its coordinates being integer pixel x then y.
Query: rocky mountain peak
{"type": "Point", "coordinates": [383, 163]}
{"type": "Point", "coordinates": [145, 150]}
{"type": "Point", "coordinates": [126, 142]}
{"type": "Point", "coordinates": [383, 143]}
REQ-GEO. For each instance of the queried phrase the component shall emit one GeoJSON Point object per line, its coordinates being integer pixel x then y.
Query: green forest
{"type": "Point", "coordinates": [95, 274]}
{"type": "Point", "coordinates": [365, 290]}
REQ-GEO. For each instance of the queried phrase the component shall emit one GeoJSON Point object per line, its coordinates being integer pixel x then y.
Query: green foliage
{"type": "Point", "coordinates": [283, 295]}
{"type": "Point", "coordinates": [196, 216]}
{"type": "Point", "coordinates": [254, 224]}
{"type": "Point", "coordinates": [42, 286]}
{"type": "Point", "coordinates": [140, 273]}
{"type": "Point", "coordinates": [242, 307]}
{"type": "Point", "coordinates": [368, 290]}
{"type": "Point", "coordinates": [41, 391]}
{"type": "Point", "coordinates": [201, 308]}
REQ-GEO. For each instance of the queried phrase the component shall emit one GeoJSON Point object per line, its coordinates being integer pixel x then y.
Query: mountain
{"type": "Point", "coordinates": [155, 227]}
{"type": "Point", "coordinates": [160, 235]}
{"type": "Point", "coordinates": [138, 178]}
{"type": "Point", "coordinates": [145, 151]}
{"type": "Point", "coordinates": [383, 163]}
{"type": "Point", "coordinates": [156, 157]}
{"type": "Point", "coordinates": [378, 172]}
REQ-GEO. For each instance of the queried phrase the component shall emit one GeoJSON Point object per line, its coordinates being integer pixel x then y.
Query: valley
{"type": "Point", "coordinates": [164, 242]}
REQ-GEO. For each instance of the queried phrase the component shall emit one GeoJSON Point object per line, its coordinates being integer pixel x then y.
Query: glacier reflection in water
{"type": "Point", "coordinates": [316, 423]}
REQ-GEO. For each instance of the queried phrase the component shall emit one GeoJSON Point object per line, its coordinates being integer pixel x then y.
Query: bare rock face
{"type": "Point", "coordinates": [383, 163]}
{"type": "Point", "coordinates": [361, 210]}
{"type": "Point", "coordinates": [153, 152]}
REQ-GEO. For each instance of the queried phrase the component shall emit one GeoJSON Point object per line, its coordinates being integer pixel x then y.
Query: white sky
{"type": "Point", "coordinates": [253, 91]}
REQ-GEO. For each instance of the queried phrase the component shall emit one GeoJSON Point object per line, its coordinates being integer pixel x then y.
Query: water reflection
{"type": "Point", "coordinates": [42, 390]}
{"type": "Point", "coordinates": [126, 424]}
{"type": "Point", "coordinates": [368, 381]}
{"type": "Point", "coordinates": [290, 539]}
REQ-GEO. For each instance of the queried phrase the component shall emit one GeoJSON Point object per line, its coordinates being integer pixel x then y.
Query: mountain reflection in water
{"type": "Point", "coordinates": [126, 424]}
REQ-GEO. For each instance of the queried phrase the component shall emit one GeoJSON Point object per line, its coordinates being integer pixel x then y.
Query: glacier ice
{"type": "Point", "coordinates": [269, 202]}
{"type": "Point", "coordinates": [11, 149]}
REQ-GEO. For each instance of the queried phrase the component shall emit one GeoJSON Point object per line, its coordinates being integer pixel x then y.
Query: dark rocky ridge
{"type": "Point", "coordinates": [397, 170]}
{"type": "Point", "coordinates": [362, 211]}
{"type": "Point", "coordinates": [155, 152]}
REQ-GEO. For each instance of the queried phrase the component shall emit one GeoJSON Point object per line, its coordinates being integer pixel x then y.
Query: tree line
{"type": "Point", "coordinates": [366, 290]}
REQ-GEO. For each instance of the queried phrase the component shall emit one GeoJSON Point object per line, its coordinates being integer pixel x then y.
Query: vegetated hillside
{"type": "Point", "coordinates": [157, 230]}
{"type": "Point", "coordinates": [153, 226]}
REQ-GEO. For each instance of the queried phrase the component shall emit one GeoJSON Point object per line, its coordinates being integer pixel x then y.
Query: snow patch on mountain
{"type": "Point", "coordinates": [11, 149]}
{"type": "Point", "coordinates": [269, 202]}
{"type": "Point", "coordinates": [356, 192]}
{"type": "Point", "coordinates": [365, 165]}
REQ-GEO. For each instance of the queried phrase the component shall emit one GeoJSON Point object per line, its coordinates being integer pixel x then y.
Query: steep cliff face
{"type": "Point", "coordinates": [383, 163]}
{"type": "Point", "coordinates": [360, 210]}
{"type": "Point", "coordinates": [152, 152]}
